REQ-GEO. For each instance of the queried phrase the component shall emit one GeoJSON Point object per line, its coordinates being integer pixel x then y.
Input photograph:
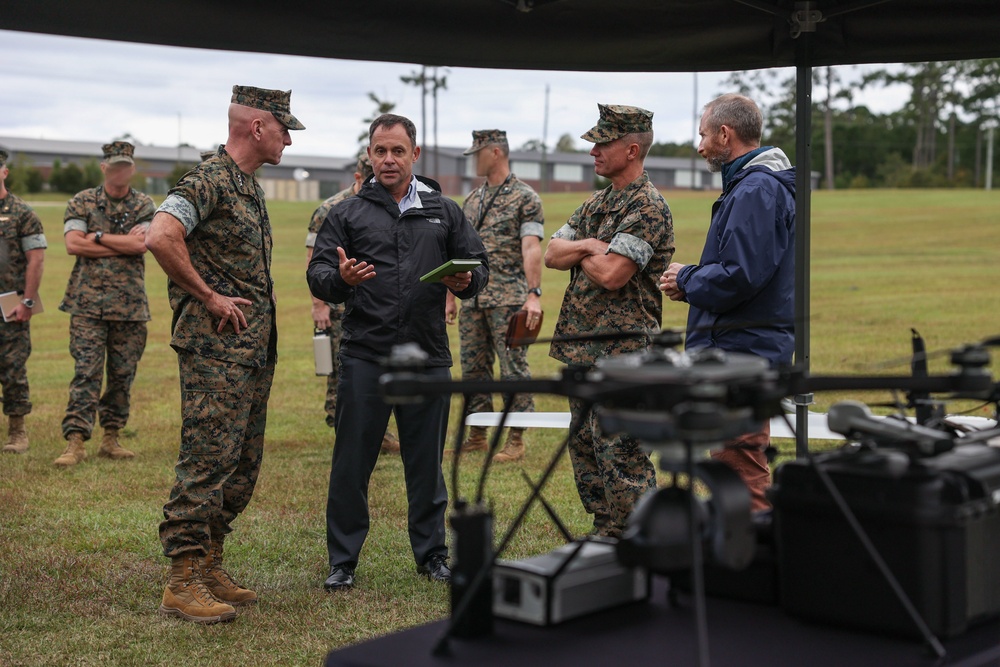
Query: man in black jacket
{"type": "Point", "coordinates": [371, 253]}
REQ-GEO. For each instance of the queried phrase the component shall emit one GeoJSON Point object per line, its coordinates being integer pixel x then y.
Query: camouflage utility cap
{"type": "Point", "coordinates": [618, 120]}
{"type": "Point", "coordinates": [364, 166]}
{"type": "Point", "coordinates": [118, 151]}
{"type": "Point", "coordinates": [278, 102]}
{"type": "Point", "coordinates": [3, 157]}
{"type": "Point", "coordinates": [483, 138]}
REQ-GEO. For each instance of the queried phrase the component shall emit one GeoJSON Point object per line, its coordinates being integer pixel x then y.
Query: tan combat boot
{"type": "Point", "coordinates": [390, 444]}
{"type": "Point", "coordinates": [187, 596]}
{"type": "Point", "coordinates": [110, 449]}
{"type": "Point", "coordinates": [75, 453]}
{"type": "Point", "coordinates": [513, 449]}
{"type": "Point", "coordinates": [17, 437]}
{"type": "Point", "coordinates": [475, 442]}
{"type": "Point", "coordinates": [221, 584]}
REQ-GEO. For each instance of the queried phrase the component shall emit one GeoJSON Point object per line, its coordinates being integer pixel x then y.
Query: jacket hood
{"type": "Point", "coordinates": [774, 162]}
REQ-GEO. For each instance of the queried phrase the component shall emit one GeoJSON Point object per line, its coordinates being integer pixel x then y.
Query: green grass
{"type": "Point", "coordinates": [81, 571]}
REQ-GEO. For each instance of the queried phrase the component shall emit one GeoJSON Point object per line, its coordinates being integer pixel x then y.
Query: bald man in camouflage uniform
{"type": "Point", "coordinates": [615, 246]}
{"type": "Point", "coordinates": [212, 236]}
{"type": "Point", "coordinates": [23, 251]}
{"type": "Point", "coordinates": [105, 228]}
{"type": "Point", "coordinates": [507, 213]}
{"type": "Point", "coordinates": [327, 316]}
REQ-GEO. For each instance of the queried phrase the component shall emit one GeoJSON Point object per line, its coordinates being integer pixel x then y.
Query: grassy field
{"type": "Point", "coordinates": [81, 571]}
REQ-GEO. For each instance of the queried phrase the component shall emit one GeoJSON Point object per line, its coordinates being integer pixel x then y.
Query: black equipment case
{"type": "Point", "coordinates": [934, 520]}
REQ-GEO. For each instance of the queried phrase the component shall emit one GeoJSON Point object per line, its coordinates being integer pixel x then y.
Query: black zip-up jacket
{"type": "Point", "coordinates": [394, 307]}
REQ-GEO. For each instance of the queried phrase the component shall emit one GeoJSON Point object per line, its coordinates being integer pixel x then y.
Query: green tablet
{"type": "Point", "coordinates": [450, 268]}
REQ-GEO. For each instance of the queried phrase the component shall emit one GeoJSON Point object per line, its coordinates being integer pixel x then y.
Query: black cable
{"type": "Point", "coordinates": [456, 453]}
{"type": "Point", "coordinates": [508, 403]}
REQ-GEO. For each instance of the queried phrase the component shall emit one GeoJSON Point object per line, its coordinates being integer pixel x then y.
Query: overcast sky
{"type": "Point", "coordinates": [85, 89]}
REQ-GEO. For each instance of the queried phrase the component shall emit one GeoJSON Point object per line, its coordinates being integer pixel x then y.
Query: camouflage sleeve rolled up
{"type": "Point", "coordinates": [30, 228]}
{"type": "Point", "coordinates": [645, 229]}
{"type": "Point", "coordinates": [20, 231]}
{"type": "Point", "coordinates": [75, 218]}
{"type": "Point", "coordinates": [570, 230]}
{"type": "Point", "coordinates": [532, 217]}
{"type": "Point", "coordinates": [184, 208]}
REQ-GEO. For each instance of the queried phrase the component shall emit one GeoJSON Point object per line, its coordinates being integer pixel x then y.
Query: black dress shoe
{"type": "Point", "coordinates": [435, 568]}
{"type": "Point", "coordinates": [341, 578]}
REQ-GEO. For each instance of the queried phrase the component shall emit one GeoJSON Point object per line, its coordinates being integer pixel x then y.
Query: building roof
{"type": "Point", "coordinates": [191, 154]}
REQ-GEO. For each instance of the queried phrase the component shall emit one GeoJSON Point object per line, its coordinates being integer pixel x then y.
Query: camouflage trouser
{"type": "Point", "coordinates": [89, 340]}
{"type": "Point", "coordinates": [15, 348]}
{"type": "Point", "coordinates": [611, 473]}
{"type": "Point", "coordinates": [223, 412]}
{"type": "Point", "coordinates": [481, 332]}
{"type": "Point", "coordinates": [336, 332]}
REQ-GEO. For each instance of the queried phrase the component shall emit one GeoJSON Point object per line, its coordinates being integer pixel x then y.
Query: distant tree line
{"type": "Point", "coordinates": [69, 178]}
{"type": "Point", "coordinates": [937, 139]}
{"type": "Point", "coordinates": [25, 177]}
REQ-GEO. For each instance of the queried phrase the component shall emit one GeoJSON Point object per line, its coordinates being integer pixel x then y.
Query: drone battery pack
{"type": "Point", "coordinates": [935, 521]}
{"type": "Point", "coordinates": [573, 580]}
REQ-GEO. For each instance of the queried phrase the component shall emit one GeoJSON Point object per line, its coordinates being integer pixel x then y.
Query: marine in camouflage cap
{"type": "Point", "coordinates": [483, 138]}
{"type": "Point", "coordinates": [618, 120]}
{"type": "Point", "coordinates": [118, 151]}
{"type": "Point", "coordinates": [3, 157]}
{"type": "Point", "coordinates": [278, 102]}
{"type": "Point", "coordinates": [364, 166]}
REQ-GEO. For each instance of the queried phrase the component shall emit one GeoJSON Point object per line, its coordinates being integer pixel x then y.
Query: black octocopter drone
{"type": "Point", "coordinates": [680, 404]}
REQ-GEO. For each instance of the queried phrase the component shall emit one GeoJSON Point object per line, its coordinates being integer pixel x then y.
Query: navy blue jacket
{"type": "Point", "coordinates": [742, 293]}
{"type": "Point", "coordinates": [394, 307]}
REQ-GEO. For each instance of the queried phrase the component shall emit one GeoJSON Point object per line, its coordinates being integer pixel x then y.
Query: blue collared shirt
{"type": "Point", "coordinates": [410, 199]}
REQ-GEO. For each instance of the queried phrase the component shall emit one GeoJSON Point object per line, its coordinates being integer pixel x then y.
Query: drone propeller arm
{"type": "Point", "coordinates": [975, 384]}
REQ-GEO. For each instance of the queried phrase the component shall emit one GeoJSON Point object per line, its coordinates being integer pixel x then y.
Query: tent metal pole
{"type": "Point", "coordinates": [803, 183]}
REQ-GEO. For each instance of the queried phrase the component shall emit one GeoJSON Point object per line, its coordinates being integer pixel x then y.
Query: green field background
{"type": "Point", "coordinates": [81, 570]}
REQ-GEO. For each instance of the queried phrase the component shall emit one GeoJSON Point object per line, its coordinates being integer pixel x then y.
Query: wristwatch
{"type": "Point", "coordinates": [30, 303]}
{"type": "Point", "coordinates": [97, 237]}
{"type": "Point", "coordinates": [537, 291]}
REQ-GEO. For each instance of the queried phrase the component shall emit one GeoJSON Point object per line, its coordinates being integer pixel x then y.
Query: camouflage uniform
{"type": "Point", "coordinates": [516, 212]}
{"type": "Point", "coordinates": [20, 231]}
{"type": "Point", "coordinates": [225, 378]}
{"type": "Point", "coordinates": [106, 298]}
{"type": "Point", "coordinates": [612, 472]}
{"type": "Point", "coordinates": [336, 330]}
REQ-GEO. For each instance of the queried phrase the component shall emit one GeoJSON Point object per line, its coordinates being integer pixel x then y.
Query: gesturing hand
{"type": "Point", "coordinates": [352, 272]}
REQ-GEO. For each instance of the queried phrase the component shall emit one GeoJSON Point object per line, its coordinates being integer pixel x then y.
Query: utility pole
{"type": "Point", "coordinates": [420, 79]}
{"type": "Point", "coordinates": [828, 130]}
{"type": "Point", "coordinates": [437, 83]}
{"type": "Point", "coordinates": [989, 156]}
{"type": "Point", "coordinates": [543, 186]}
{"type": "Point", "coordinates": [694, 132]}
